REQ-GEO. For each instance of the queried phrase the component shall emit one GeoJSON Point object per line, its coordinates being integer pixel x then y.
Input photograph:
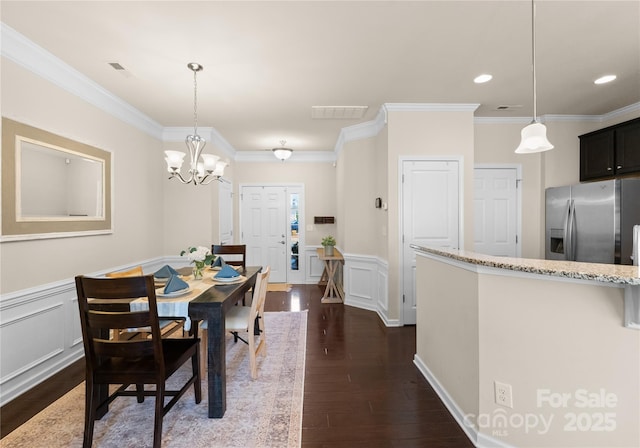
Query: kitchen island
{"type": "Point", "coordinates": [560, 339]}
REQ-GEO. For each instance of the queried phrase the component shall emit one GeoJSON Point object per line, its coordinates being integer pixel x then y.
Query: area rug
{"type": "Point", "coordinates": [266, 412]}
{"type": "Point", "coordinates": [286, 287]}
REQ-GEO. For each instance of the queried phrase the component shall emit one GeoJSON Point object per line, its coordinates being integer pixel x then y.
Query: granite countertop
{"type": "Point", "coordinates": [607, 273]}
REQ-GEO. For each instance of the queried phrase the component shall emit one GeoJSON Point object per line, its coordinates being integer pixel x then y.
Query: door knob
{"type": "Point", "coordinates": [283, 242]}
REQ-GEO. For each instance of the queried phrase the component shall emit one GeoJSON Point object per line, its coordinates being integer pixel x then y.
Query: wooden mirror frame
{"type": "Point", "coordinates": [14, 227]}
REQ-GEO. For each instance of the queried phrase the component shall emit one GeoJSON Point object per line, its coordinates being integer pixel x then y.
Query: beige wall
{"type": "Point", "coordinates": [190, 212]}
{"type": "Point", "coordinates": [137, 186]}
{"type": "Point", "coordinates": [447, 329]}
{"type": "Point", "coordinates": [534, 333]}
{"type": "Point", "coordinates": [425, 134]}
{"type": "Point", "coordinates": [319, 181]}
{"type": "Point", "coordinates": [358, 229]}
{"type": "Point", "coordinates": [381, 185]}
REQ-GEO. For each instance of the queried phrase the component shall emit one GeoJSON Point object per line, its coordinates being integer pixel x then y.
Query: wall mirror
{"type": "Point", "coordinates": [52, 186]}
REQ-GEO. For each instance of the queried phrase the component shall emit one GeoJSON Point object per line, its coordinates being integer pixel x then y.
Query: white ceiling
{"type": "Point", "coordinates": [266, 63]}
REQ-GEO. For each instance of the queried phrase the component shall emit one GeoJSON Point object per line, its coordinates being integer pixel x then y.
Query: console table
{"type": "Point", "coordinates": [333, 291]}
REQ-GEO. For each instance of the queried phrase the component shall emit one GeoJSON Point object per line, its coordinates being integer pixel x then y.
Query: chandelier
{"type": "Point", "coordinates": [203, 168]}
{"type": "Point", "coordinates": [282, 153]}
{"type": "Point", "coordinates": [534, 136]}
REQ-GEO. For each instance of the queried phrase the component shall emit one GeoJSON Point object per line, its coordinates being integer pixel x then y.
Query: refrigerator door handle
{"type": "Point", "coordinates": [572, 231]}
{"type": "Point", "coordinates": [567, 232]}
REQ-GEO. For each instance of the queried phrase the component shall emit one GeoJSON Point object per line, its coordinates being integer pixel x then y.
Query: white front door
{"type": "Point", "coordinates": [496, 211]}
{"type": "Point", "coordinates": [430, 214]}
{"type": "Point", "coordinates": [264, 227]}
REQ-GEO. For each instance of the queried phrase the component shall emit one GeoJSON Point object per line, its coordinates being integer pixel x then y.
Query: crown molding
{"type": "Point", "coordinates": [39, 61]}
{"type": "Point", "coordinates": [17, 48]}
{"type": "Point", "coordinates": [297, 156]}
{"type": "Point", "coordinates": [549, 118]}
{"type": "Point", "coordinates": [361, 130]}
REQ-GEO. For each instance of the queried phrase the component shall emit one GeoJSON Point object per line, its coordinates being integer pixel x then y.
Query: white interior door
{"type": "Point", "coordinates": [264, 226]}
{"type": "Point", "coordinates": [225, 201]}
{"type": "Point", "coordinates": [496, 211]}
{"type": "Point", "coordinates": [430, 213]}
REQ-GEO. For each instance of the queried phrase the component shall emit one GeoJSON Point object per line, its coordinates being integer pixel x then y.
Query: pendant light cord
{"type": "Point", "coordinates": [533, 58]}
{"type": "Point", "coordinates": [195, 103]}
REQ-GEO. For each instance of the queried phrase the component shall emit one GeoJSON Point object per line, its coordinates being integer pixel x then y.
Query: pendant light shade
{"type": "Point", "coordinates": [282, 153]}
{"type": "Point", "coordinates": [534, 136]}
{"type": "Point", "coordinates": [534, 139]}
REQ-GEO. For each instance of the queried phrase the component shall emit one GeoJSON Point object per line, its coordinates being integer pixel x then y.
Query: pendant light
{"type": "Point", "coordinates": [534, 136]}
{"type": "Point", "coordinates": [282, 153]}
{"type": "Point", "coordinates": [203, 168]}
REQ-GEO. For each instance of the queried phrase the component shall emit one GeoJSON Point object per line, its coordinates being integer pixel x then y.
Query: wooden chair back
{"type": "Point", "coordinates": [97, 325]}
{"type": "Point", "coordinates": [233, 254]}
{"type": "Point", "coordinates": [250, 319]}
{"type": "Point", "coordinates": [104, 307]}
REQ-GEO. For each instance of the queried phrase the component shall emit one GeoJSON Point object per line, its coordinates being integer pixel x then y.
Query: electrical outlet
{"type": "Point", "coordinates": [503, 395]}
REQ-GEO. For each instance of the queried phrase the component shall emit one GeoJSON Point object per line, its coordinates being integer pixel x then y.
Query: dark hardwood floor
{"type": "Point", "coordinates": [361, 388]}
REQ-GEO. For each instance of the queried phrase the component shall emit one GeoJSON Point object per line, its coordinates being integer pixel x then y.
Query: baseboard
{"type": "Point", "coordinates": [479, 439]}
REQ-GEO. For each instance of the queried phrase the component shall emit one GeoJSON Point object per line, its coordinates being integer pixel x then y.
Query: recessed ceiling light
{"type": "Point", "coordinates": [482, 78]}
{"type": "Point", "coordinates": [604, 79]}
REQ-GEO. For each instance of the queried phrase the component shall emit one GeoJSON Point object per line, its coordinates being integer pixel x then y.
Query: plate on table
{"type": "Point", "coordinates": [227, 279]}
{"type": "Point", "coordinates": [160, 280]}
{"type": "Point", "coordinates": [214, 268]}
{"type": "Point", "coordinates": [160, 292]}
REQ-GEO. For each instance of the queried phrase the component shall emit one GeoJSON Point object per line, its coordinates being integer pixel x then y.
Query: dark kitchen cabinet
{"type": "Point", "coordinates": [611, 151]}
{"type": "Point", "coordinates": [628, 148]}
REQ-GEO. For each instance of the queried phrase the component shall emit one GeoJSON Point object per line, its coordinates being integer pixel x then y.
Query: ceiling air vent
{"type": "Point", "coordinates": [338, 112]}
{"type": "Point", "coordinates": [116, 66]}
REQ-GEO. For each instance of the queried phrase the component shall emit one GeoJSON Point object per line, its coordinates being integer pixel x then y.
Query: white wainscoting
{"type": "Point", "coordinates": [40, 327]}
{"type": "Point", "coordinates": [365, 281]}
{"type": "Point", "coordinates": [40, 331]}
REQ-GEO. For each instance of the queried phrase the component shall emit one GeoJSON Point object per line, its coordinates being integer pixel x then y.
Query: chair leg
{"type": "Point", "coordinates": [157, 425]}
{"type": "Point", "coordinates": [89, 413]}
{"type": "Point", "coordinates": [252, 355]}
{"type": "Point", "coordinates": [140, 393]}
{"type": "Point", "coordinates": [197, 372]}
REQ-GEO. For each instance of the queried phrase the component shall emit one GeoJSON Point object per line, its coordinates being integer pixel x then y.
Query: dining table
{"type": "Point", "coordinates": [207, 300]}
{"type": "Point", "coordinates": [211, 306]}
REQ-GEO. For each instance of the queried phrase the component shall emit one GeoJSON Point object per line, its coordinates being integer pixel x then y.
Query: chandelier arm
{"type": "Point", "coordinates": [211, 179]}
{"type": "Point", "coordinates": [180, 178]}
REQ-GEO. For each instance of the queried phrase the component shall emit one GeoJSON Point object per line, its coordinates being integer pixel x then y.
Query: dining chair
{"type": "Point", "coordinates": [134, 362]}
{"type": "Point", "coordinates": [168, 325]}
{"type": "Point", "coordinates": [246, 319]}
{"type": "Point", "coordinates": [235, 254]}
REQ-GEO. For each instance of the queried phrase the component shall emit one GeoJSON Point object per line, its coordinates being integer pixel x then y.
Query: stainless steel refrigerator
{"type": "Point", "coordinates": [593, 221]}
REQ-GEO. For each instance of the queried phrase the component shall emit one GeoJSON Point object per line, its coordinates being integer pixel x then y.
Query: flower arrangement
{"type": "Point", "coordinates": [200, 257]}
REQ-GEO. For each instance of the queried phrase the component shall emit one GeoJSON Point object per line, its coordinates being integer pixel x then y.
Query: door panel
{"type": "Point", "coordinates": [495, 211]}
{"type": "Point", "coordinates": [264, 218]}
{"type": "Point", "coordinates": [430, 217]}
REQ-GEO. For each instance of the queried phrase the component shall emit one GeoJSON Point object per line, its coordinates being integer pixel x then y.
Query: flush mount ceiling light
{"type": "Point", "coordinates": [282, 153]}
{"type": "Point", "coordinates": [203, 168]}
{"type": "Point", "coordinates": [481, 79]}
{"type": "Point", "coordinates": [605, 79]}
{"type": "Point", "coordinates": [534, 136]}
